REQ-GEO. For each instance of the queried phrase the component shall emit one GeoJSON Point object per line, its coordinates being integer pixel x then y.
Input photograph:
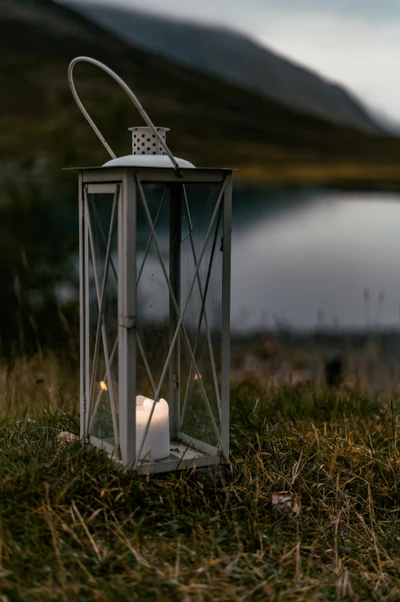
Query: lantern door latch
{"type": "Point", "coordinates": [127, 321]}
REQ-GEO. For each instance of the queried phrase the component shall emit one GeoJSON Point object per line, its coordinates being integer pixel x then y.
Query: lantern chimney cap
{"type": "Point", "coordinates": [145, 141]}
{"type": "Point", "coordinates": [147, 150]}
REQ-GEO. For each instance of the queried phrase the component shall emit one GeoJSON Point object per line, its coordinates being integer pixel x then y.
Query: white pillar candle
{"type": "Point", "coordinates": [156, 445]}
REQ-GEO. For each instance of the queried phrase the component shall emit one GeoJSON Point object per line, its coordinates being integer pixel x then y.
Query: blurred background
{"type": "Point", "coordinates": [300, 96]}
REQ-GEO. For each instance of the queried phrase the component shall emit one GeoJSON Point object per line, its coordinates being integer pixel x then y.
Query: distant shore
{"type": "Point", "coordinates": [369, 360]}
{"type": "Point", "coordinates": [340, 175]}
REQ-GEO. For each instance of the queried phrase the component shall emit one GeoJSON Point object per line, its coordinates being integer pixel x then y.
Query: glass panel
{"type": "Point", "coordinates": [152, 290]}
{"type": "Point", "coordinates": [202, 319]}
{"type": "Point", "coordinates": [166, 262]}
{"type": "Point", "coordinates": [103, 333]}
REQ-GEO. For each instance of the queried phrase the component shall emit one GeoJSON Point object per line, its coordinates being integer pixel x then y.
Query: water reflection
{"type": "Point", "coordinates": [317, 257]}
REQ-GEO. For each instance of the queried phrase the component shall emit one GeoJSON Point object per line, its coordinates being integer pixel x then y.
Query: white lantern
{"type": "Point", "coordinates": [155, 241]}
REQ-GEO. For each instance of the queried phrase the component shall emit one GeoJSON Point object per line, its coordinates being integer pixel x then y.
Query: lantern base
{"type": "Point", "coordinates": [186, 453]}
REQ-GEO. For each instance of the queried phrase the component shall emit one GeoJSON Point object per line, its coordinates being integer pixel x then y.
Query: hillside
{"type": "Point", "coordinates": [233, 57]}
{"type": "Point", "coordinates": [212, 122]}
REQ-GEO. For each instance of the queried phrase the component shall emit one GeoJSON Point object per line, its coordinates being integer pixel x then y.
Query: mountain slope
{"type": "Point", "coordinates": [233, 57]}
{"type": "Point", "coordinates": [212, 122]}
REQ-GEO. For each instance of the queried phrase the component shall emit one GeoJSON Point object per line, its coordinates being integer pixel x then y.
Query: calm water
{"type": "Point", "coordinates": [304, 258]}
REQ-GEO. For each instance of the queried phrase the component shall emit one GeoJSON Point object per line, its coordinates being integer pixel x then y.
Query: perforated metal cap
{"type": "Point", "coordinates": [147, 151]}
{"type": "Point", "coordinates": [144, 142]}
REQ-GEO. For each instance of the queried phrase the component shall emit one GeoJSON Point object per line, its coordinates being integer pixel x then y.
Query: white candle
{"type": "Point", "coordinates": [156, 445]}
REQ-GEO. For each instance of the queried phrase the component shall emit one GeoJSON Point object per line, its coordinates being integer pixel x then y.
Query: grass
{"type": "Point", "coordinates": [74, 527]}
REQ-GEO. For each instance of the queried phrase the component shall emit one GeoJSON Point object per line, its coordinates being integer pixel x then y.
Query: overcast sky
{"type": "Point", "coordinates": [354, 42]}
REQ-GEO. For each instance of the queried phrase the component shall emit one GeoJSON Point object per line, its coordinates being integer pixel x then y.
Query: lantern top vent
{"type": "Point", "coordinates": [145, 142]}
{"type": "Point", "coordinates": [147, 150]}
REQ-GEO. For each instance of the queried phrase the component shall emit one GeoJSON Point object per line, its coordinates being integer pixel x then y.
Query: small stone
{"type": "Point", "coordinates": [66, 437]}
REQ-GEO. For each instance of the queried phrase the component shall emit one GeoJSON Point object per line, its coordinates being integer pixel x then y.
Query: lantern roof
{"type": "Point", "coordinates": [149, 150]}
{"type": "Point", "coordinates": [147, 161]}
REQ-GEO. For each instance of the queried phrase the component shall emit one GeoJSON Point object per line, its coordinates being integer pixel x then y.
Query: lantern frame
{"type": "Point", "coordinates": [126, 184]}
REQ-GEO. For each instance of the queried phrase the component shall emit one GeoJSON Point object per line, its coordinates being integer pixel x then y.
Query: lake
{"type": "Point", "coordinates": [306, 258]}
{"type": "Point", "coordinates": [302, 258]}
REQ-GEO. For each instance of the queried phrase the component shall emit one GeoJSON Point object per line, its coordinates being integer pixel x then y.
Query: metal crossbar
{"type": "Point", "coordinates": [115, 346]}
{"type": "Point", "coordinates": [107, 358]}
{"type": "Point", "coordinates": [146, 363]}
{"type": "Point", "coordinates": [105, 378]}
{"type": "Point", "coordinates": [202, 310]}
{"type": "Point", "coordinates": [151, 236]}
{"type": "Point", "coordinates": [203, 296]}
{"type": "Point", "coordinates": [102, 235]}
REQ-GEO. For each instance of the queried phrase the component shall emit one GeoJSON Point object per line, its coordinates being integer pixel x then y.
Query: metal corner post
{"type": "Point", "coordinates": [86, 310]}
{"type": "Point", "coordinates": [84, 376]}
{"type": "Point", "coordinates": [175, 279]}
{"type": "Point", "coordinates": [226, 309]}
{"type": "Point", "coordinates": [127, 318]}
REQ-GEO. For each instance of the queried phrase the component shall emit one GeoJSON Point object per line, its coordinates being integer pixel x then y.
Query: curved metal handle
{"type": "Point", "coordinates": [134, 99]}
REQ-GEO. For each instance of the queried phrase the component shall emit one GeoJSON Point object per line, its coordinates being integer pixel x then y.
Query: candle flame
{"type": "Point", "coordinates": [103, 385]}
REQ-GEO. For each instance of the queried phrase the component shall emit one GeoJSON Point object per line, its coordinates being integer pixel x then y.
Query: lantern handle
{"type": "Point", "coordinates": [134, 99]}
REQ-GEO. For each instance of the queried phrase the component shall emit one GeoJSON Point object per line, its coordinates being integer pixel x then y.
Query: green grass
{"type": "Point", "coordinates": [74, 527]}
